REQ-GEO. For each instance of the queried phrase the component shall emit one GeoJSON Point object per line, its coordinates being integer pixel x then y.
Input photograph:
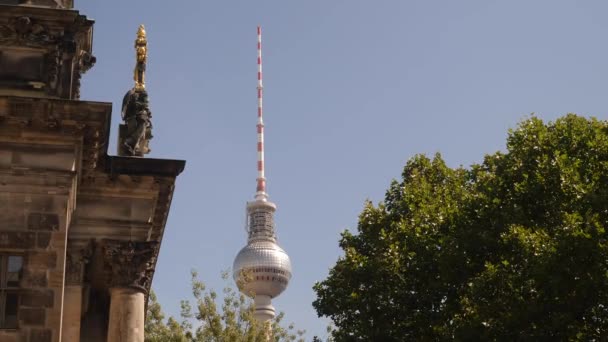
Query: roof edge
{"type": "Point", "coordinates": [143, 166]}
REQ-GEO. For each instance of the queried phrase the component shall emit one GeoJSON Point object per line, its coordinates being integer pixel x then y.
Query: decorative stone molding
{"type": "Point", "coordinates": [88, 121]}
{"type": "Point", "coordinates": [61, 4]}
{"type": "Point", "coordinates": [26, 31]}
{"type": "Point", "coordinates": [77, 259]}
{"type": "Point", "coordinates": [58, 48]}
{"type": "Point", "coordinates": [54, 63]}
{"type": "Point", "coordinates": [130, 263]}
{"type": "Point", "coordinates": [163, 204]}
{"type": "Point", "coordinates": [85, 61]}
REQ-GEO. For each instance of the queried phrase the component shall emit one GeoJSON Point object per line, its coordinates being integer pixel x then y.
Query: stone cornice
{"type": "Point", "coordinates": [143, 166]}
{"type": "Point", "coordinates": [75, 120]}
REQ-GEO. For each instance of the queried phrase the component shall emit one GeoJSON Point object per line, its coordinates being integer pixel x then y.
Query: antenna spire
{"type": "Point", "coordinates": [261, 180]}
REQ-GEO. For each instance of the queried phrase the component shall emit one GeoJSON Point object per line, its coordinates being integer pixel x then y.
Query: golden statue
{"type": "Point", "coordinates": [141, 51]}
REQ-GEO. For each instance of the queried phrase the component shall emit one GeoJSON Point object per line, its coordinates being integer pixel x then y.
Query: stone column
{"type": "Point", "coordinates": [129, 266]}
{"type": "Point", "coordinates": [77, 257]}
{"type": "Point", "coordinates": [127, 308]}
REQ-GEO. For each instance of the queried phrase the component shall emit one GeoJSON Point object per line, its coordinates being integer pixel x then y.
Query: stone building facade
{"type": "Point", "coordinates": [80, 230]}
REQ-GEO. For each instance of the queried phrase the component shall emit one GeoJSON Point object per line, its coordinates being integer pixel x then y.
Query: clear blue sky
{"type": "Point", "coordinates": [352, 90]}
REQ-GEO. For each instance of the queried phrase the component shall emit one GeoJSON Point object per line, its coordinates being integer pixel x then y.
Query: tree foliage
{"type": "Point", "coordinates": [229, 319]}
{"type": "Point", "coordinates": [159, 330]}
{"type": "Point", "coordinates": [513, 248]}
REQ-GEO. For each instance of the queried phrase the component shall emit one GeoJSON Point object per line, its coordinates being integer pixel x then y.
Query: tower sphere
{"type": "Point", "coordinates": [262, 268]}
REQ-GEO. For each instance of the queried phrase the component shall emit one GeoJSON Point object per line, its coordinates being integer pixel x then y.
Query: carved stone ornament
{"type": "Point", "coordinates": [130, 263]}
{"type": "Point", "coordinates": [77, 259]}
{"type": "Point", "coordinates": [25, 31]}
{"type": "Point", "coordinates": [84, 63]}
{"type": "Point", "coordinates": [47, 3]}
{"type": "Point", "coordinates": [54, 62]}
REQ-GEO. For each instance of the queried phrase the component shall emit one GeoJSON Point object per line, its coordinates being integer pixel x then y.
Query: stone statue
{"type": "Point", "coordinates": [136, 131]}
{"type": "Point", "coordinates": [137, 117]}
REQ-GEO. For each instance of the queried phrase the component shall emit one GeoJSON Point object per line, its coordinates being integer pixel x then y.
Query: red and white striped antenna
{"type": "Point", "coordinates": [261, 180]}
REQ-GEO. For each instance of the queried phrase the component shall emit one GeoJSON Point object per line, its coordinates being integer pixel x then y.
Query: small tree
{"type": "Point", "coordinates": [156, 329]}
{"type": "Point", "coordinates": [514, 248]}
{"type": "Point", "coordinates": [232, 320]}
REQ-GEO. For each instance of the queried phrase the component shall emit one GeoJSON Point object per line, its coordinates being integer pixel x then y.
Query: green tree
{"type": "Point", "coordinates": [212, 320]}
{"type": "Point", "coordinates": [513, 248]}
{"type": "Point", "coordinates": [159, 330]}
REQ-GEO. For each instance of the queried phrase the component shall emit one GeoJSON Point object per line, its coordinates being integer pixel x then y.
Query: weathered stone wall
{"type": "Point", "coordinates": [42, 158]}
{"type": "Point", "coordinates": [38, 233]}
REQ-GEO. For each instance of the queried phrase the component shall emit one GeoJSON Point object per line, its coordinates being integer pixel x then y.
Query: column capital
{"type": "Point", "coordinates": [130, 263]}
{"type": "Point", "coordinates": [77, 258]}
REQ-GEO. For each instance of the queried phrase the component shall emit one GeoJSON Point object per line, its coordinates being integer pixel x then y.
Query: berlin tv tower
{"type": "Point", "coordinates": [262, 269]}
